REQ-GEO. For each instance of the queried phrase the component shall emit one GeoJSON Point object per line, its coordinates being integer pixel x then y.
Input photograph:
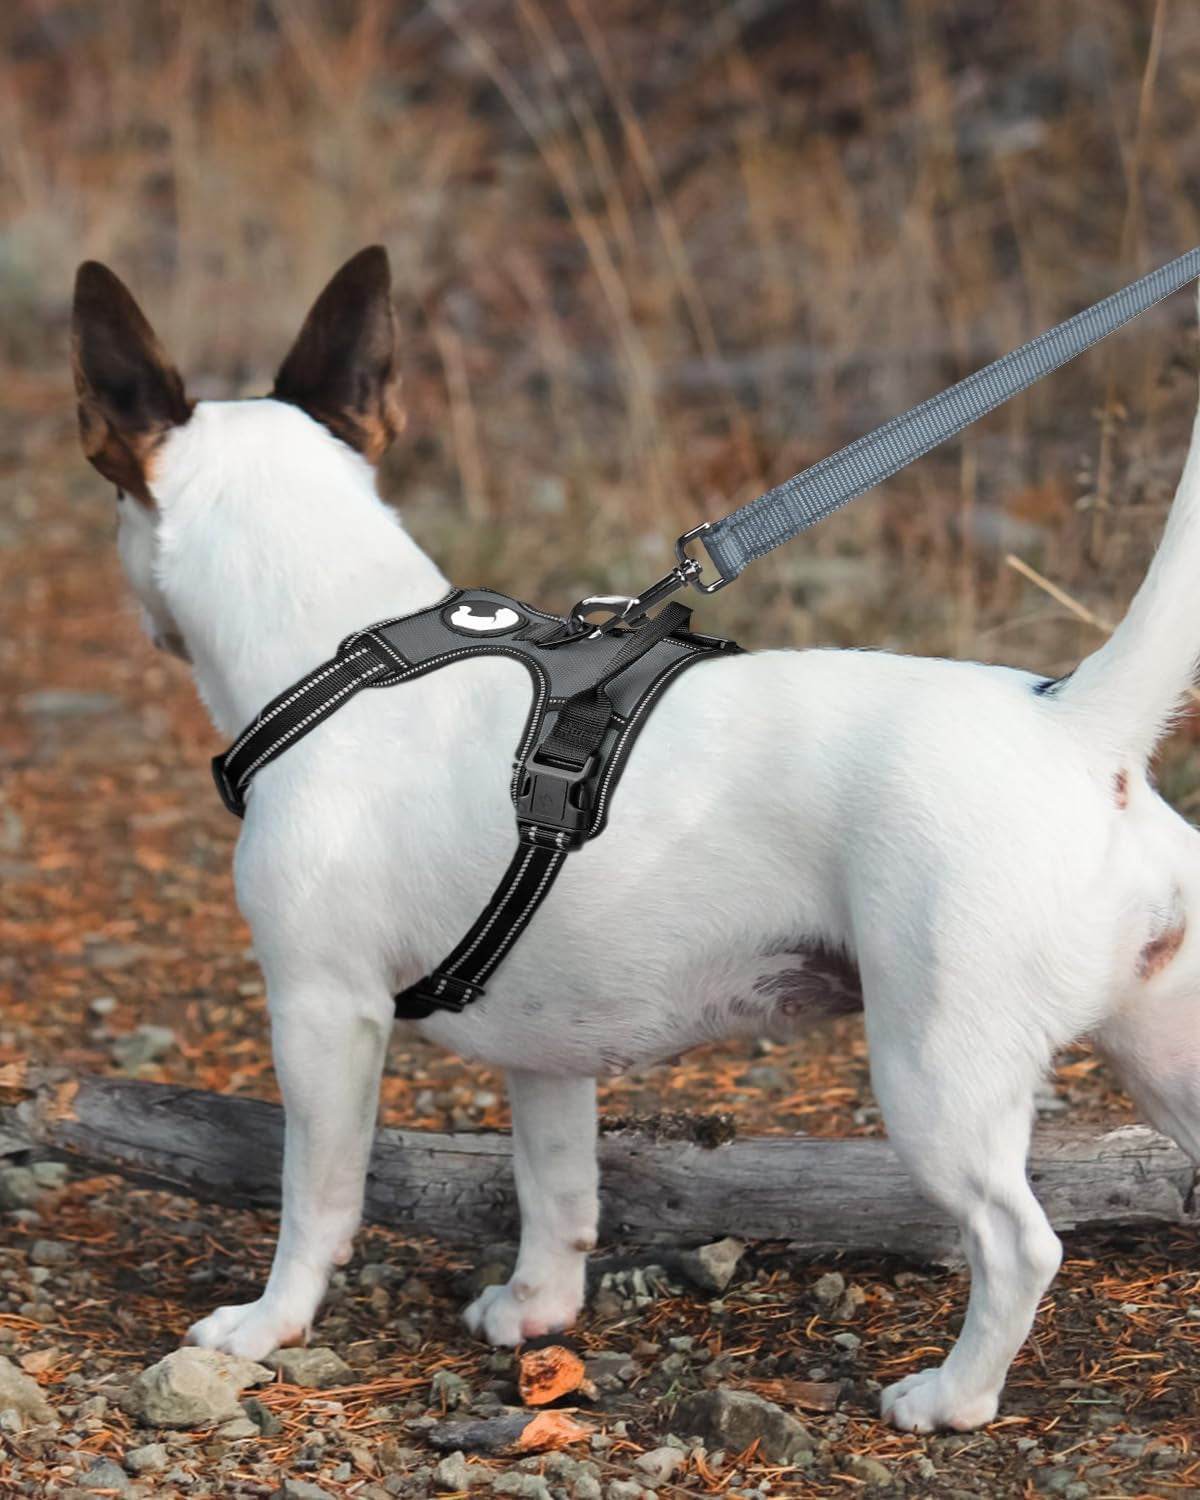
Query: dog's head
{"type": "Point", "coordinates": [341, 371]}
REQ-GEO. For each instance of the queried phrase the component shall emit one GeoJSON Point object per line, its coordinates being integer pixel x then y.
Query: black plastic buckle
{"type": "Point", "coordinates": [556, 801]}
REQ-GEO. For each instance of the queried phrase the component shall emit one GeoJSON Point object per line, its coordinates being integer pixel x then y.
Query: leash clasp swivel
{"type": "Point", "coordinates": [626, 609]}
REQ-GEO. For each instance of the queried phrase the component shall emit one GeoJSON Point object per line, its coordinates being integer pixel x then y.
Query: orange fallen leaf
{"type": "Point", "coordinates": [548, 1373]}
{"type": "Point", "coordinates": [552, 1429]}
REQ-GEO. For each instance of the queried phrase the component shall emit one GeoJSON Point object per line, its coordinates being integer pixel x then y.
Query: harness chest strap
{"type": "Point", "coordinates": [566, 765]}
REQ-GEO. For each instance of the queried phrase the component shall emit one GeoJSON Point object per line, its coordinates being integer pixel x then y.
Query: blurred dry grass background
{"type": "Point", "coordinates": [652, 256]}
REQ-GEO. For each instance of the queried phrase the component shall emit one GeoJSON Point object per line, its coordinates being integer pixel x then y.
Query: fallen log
{"type": "Point", "coordinates": [689, 1182]}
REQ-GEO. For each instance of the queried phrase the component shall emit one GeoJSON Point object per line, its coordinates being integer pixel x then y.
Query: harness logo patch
{"type": "Point", "coordinates": [472, 620]}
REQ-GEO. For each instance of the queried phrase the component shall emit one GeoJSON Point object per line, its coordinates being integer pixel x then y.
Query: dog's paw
{"type": "Point", "coordinates": [927, 1400]}
{"type": "Point", "coordinates": [510, 1314]}
{"type": "Point", "coordinates": [251, 1330]}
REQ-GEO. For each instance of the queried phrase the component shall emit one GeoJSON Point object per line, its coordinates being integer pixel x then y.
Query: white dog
{"type": "Point", "coordinates": [990, 857]}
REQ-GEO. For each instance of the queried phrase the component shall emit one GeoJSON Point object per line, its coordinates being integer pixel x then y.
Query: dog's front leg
{"type": "Point", "coordinates": [329, 1054]}
{"type": "Point", "coordinates": [554, 1163]}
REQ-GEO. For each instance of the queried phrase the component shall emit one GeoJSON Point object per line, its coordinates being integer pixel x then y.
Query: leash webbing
{"type": "Point", "coordinates": [790, 508]}
{"type": "Point", "coordinates": [784, 512]}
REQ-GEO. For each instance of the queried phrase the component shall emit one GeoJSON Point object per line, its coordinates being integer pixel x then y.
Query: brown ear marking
{"type": "Point", "coordinates": [130, 394]}
{"type": "Point", "coordinates": [342, 368]}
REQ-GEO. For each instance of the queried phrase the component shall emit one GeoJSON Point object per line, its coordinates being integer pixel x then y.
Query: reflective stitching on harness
{"type": "Point", "coordinates": [492, 920]}
{"type": "Point", "coordinates": [517, 925]}
{"type": "Point", "coordinates": [541, 685]}
{"type": "Point", "coordinates": [616, 759]}
{"type": "Point", "coordinates": [299, 727]}
{"type": "Point", "coordinates": [387, 646]}
{"type": "Point", "coordinates": [276, 709]}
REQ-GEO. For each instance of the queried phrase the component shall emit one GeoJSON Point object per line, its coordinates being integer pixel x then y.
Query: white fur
{"type": "Point", "coordinates": [954, 832]}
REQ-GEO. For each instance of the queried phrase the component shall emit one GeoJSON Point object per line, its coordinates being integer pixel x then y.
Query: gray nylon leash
{"type": "Point", "coordinates": [798, 503]}
{"type": "Point", "coordinates": [776, 517]}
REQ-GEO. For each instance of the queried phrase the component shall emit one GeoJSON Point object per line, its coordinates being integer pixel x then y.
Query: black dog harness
{"type": "Point", "coordinates": [591, 697]}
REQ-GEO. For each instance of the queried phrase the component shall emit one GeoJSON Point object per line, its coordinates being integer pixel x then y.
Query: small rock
{"type": "Point", "coordinates": [300, 1489]}
{"type": "Point", "coordinates": [50, 1174]}
{"type": "Point", "coordinates": [63, 703]}
{"type": "Point", "coordinates": [1056, 1480]}
{"type": "Point", "coordinates": [318, 1368]}
{"type": "Point", "coordinates": [238, 1427]}
{"type": "Point", "coordinates": [517, 1432]}
{"type": "Point", "coordinates": [610, 1369]}
{"type": "Point", "coordinates": [1080, 1490]}
{"type": "Point", "coordinates": [23, 1397]}
{"type": "Point", "coordinates": [829, 1289]}
{"type": "Point", "coordinates": [105, 1475]}
{"type": "Point", "coordinates": [49, 1253]}
{"type": "Point", "coordinates": [147, 1459]}
{"type": "Point", "coordinates": [18, 1188]}
{"type": "Point", "coordinates": [1128, 1445]}
{"type": "Point", "coordinates": [148, 1044]}
{"type": "Point", "coordinates": [734, 1419]}
{"type": "Point", "coordinates": [449, 1390]}
{"type": "Point", "coordinates": [850, 1342]}
{"type": "Point", "coordinates": [192, 1388]}
{"type": "Point", "coordinates": [623, 1489]}
{"type": "Point", "coordinates": [531, 1486]}
{"type": "Point", "coordinates": [869, 1470]}
{"type": "Point", "coordinates": [262, 1416]}
{"type": "Point", "coordinates": [659, 1463]}
{"type": "Point", "coordinates": [852, 1300]}
{"type": "Point", "coordinates": [587, 1487]}
{"type": "Point", "coordinates": [453, 1473]}
{"type": "Point", "coordinates": [711, 1267]}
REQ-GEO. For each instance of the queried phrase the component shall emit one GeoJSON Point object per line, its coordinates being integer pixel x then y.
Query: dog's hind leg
{"type": "Point", "coordinates": [1153, 1042]}
{"type": "Point", "coordinates": [956, 1095]}
{"type": "Point", "coordinates": [554, 1164]}
{"type": "Point", "coordinates": [329, 1054]}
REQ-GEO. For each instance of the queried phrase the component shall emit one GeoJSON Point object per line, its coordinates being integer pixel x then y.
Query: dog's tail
{"type": "Point", "coordinates": [1126, 694]}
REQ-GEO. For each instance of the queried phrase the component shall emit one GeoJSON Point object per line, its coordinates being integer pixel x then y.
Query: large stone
{"type": "Point", "coordinates": [735, 1419]}
{"type": "Point", "coordinates": [318, 1368]}
{"type": "Point", "coordinates": [711, 1267]}
{"type": "Point", "coordinates": [193, 1388]}
{"type": "Point", "coordinates": [22, 1395]}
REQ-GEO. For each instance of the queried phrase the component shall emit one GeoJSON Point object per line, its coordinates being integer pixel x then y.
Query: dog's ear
{"type": "Point", "coordinates": [342, 368]}
{"type": "Point", "coordinates": [130, 394]}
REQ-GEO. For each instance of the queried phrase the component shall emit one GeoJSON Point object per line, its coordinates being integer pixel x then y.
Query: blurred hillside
{"type": "Point", "coordinates": [650, 258]}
